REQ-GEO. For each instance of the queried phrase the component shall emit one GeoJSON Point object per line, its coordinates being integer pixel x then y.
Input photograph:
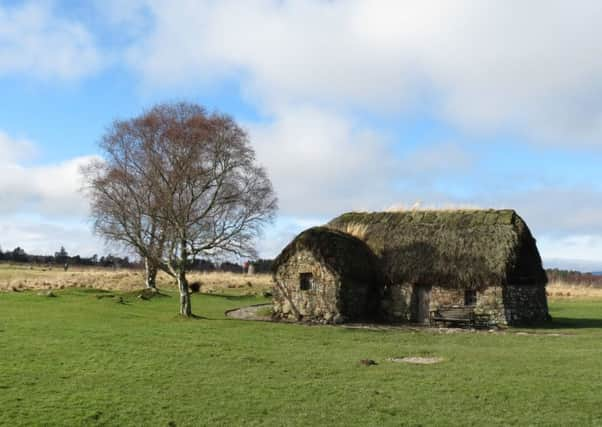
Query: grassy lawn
{"type": "Point", "coordinates": [79, 360]}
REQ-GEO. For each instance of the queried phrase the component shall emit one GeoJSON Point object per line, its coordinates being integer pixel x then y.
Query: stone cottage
{"type": "Point", "coordinates": [487, 259]}
{"type": "Point", "coordinates": [327, 276]}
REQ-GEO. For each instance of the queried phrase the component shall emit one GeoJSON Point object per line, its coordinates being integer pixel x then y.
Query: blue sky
{"type": "Point", "coordinates": [350, 105]}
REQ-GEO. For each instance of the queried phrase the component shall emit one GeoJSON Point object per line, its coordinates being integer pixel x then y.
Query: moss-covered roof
{"type": "Point", "coordinates": [343, 253]}
{"type": "Point", "coordinates": [460, 248]}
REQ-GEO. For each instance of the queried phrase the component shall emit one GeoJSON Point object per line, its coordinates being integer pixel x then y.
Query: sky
{"type": "Point", "coordinates": [349, 105]}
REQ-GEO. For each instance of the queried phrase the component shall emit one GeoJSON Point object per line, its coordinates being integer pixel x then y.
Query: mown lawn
{"type": "Point", "coordinates": [79, 360]}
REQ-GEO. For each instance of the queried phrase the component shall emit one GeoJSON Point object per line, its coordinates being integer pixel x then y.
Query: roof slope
{"type": "Point", "coordinates": [461, 248]}
{"type": "Point", "coordinates": [342, 252]}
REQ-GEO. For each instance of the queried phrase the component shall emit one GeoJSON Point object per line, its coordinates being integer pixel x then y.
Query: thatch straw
{"type": "Point", "coordinates": [454, 249]}
{"type": "Point", "coordinates": [341, 252]}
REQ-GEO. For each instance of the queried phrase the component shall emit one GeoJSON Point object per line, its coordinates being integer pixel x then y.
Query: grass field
{"type": "Point", "coordinates": [77, 359]}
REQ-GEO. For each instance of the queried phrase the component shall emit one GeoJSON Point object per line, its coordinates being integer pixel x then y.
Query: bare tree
{"type": "Point", "coordinates": [120, 205]}
{"type": "Point", "coordinates": [195, 185]}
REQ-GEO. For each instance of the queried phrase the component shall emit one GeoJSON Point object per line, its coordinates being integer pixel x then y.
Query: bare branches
{"type": "Point", "coordinates": [178, 182]}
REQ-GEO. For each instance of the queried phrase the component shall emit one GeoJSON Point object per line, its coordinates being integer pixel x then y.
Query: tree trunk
{"type": "Point", "coordinates": [185, 307]}
{"type": "Point", "coordinates": [150, 273]}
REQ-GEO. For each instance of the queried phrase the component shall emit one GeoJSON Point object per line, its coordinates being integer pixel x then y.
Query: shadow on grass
{"type": "Point", "coordinates": [229, 297]}
{"type": "Point", "coordinates": [191, 318]}
{"type": "Point", "coordinates": [145, 294]}
{"type": "Point", "coordinates": [83, 291]}
{"type": "Point", "coordinates": [566, 323]}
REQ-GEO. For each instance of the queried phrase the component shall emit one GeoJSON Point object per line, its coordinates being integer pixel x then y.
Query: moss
{"type": "Point", "coordinates": [460, 248]}
{"type": "Point", "coordinates": [342, 252]}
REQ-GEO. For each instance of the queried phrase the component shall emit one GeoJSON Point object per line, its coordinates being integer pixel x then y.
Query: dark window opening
{"type": "Point", "coordinates": [470, 297]}
{"type": "Point", "coordinates": [305, 281]}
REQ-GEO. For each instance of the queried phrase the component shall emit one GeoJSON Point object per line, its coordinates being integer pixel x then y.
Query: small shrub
{"type": "Point", "coordinates": [195, 287]}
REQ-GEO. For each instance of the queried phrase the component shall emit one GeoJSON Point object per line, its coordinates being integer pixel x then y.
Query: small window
{"type": "Point", "coordinates": [305, 281]}
{"type": "Point", "coordinates": [470, 297]}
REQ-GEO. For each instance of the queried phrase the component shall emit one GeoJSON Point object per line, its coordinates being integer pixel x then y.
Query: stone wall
{"type": "Point", "coordinates": [509, 305]}
{"type": "Point", "coordinates": [525, 304]}
{"type": "Point", "coordinates": [359, 300]}
{"type": "Point", "coordinates": [443, 296]}
{"type": "Point", "coordinates": [396, 302]}
{"type": "Point", "coordinates": [318, 303]}
{"type": "Point", "coordinates": [490, 305]}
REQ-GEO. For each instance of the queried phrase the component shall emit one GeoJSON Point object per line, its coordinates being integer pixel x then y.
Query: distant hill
{"type": "Point", "coordinates": [597, 273]}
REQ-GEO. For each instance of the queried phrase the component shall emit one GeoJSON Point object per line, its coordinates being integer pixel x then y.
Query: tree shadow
{"type": "Point", "coordinates": [192, 317]}
{"type": "Point", "coordinates": [198, 317]}
{"type": "Point", "coordinates": [569, 323]}
{"type": "Point", "coordinates": [228, 297]}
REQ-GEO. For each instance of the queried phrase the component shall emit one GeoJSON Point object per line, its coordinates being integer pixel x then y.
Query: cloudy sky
{"type": "Point", "coordinates": [350, 105]}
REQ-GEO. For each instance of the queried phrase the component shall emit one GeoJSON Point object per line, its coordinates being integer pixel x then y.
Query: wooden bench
{"type": "Point", "coordinates": [463, 314]}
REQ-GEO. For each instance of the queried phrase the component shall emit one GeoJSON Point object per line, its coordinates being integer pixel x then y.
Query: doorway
{"type": "Point", "coordinates": [421, 302]}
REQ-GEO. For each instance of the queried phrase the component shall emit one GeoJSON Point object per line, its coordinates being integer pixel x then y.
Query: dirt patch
{"type": "Point", "coordinates": [416, 360]}
{"type": "Point", "coordinates": [253, 312]}
{"type": "Point", "coordinates": [414, 328]}
{"type": "Point", "coordinates": [540, 334]}
{"type": "Point", "coordinates": [262, 312]}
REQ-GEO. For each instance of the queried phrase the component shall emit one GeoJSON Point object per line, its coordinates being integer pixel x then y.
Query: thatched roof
{"type": "Point", "coordinates": [341, 252]}
{"type": "Point", "coordinates": [456, 249]}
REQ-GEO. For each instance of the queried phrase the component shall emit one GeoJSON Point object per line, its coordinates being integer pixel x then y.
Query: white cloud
{"type": "Point", "coordinates": [282, 232]}
{"type": "Point", "coordinates": [555, 211]}
{"type": "Point", "coordinates": [36, 42]}
{"type": "Point", "coordinates": [51, 189]}
{"type": "Point", "coordinates": [436, 160]}
{"type": "Point", "coordinates": [531, 66]}
{"type": "Point", "coordinates": [584, 265]}
{"type": "Point", "coordinates": [45, 238]}
{"type": "Point", "coordinates": [321, 164]}
{"type": "Point", "coordinates": [13, 149]}
{"type": "Point", "coordinates": [567, 223]}
{"type": "Point", "coordinates": [577, 252]}
{"type": "Point", "coordinates": [129, 17]}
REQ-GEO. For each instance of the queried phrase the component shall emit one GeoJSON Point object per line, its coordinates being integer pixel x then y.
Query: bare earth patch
{"type": "Point", "coordinates": [254, 312]}
{"type": "Point", "coordinates": [540, 334]}
{"type": "Point", "coordinates": [262, 312]}
{"type": "Point", "coordinates": [416, 360]}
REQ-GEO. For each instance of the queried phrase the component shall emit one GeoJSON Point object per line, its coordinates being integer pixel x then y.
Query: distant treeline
{"type": "Point", "coordinates": [260, 266]}
{"type": "Point", "coordinates": [570, 276]}
{"type": "Point", "coordinates": [62, 257]}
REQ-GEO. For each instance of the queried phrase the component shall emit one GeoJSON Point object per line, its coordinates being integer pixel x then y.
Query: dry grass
{"type": "Point", "coordinates": [558, 290]}
{"type": "Point", "coordinates": [219, 282]}
{"type": "Point", "coordinates": [357, 230]}
{"type": "Point", "coordinates": [18, 277]}
{"type": "Point", "coordinates": [24, 277]}
{"type": "Point", "coordinates": [418, 206]}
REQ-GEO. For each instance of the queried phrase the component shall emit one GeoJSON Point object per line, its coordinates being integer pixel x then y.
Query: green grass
{"type": "Point", "coordinates": [80, 360]}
